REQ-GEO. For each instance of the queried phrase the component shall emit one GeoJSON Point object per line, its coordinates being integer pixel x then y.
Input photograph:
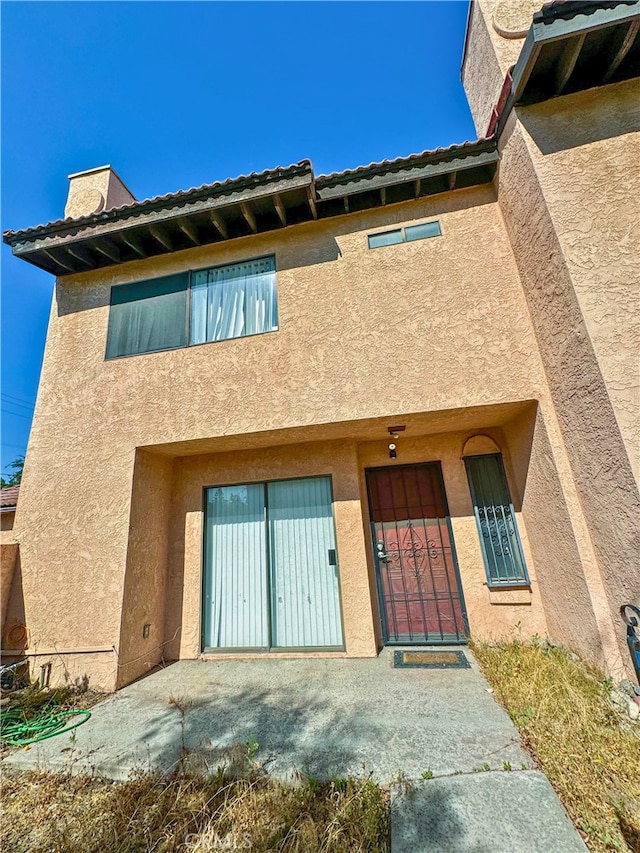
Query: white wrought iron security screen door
{"type": "Point", "coordinates": [270, 573]}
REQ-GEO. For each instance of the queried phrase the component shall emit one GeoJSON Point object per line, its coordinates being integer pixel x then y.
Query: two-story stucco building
{"type": "Point", "coordinates": [290, 414]}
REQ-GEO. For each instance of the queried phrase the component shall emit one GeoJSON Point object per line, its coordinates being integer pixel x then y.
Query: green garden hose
{"type": "Point", "coordinates": [18, 730]}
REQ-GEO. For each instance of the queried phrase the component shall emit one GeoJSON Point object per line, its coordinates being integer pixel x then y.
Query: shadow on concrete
{"type": "Point", "coordinates": [280, 733]}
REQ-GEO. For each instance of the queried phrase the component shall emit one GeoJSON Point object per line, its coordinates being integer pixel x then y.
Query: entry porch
{"type": "Point", "coordinates": [325, 542]}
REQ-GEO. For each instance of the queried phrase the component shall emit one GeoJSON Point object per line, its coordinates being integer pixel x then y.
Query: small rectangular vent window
{"type": "Point", "coordinates": [387, 238]}
{"type": "Point", "coordinates": [421, 232]}
{"type": "Point", "coordinates": [405, 235]}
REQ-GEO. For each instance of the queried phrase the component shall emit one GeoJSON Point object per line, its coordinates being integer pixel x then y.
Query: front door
{"type": "Point", "coordinates": [417, 574]}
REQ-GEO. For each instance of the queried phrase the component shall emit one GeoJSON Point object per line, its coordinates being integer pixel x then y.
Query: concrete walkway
{"type": "Point", "coordinates": [326, 718]}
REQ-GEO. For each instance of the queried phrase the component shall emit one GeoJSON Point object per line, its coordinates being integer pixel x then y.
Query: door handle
{"type": "Point", "coordinates": [382, 556]}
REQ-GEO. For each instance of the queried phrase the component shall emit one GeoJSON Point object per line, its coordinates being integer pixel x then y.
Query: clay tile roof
{"type": "Point", "coordinates": [9, 496]}
{"type": "Point", "coordinates": [400, 162]}
{"type": "Point", "coordinates": [567, 9]}
{"type": "Point", "coordinates": [254, 178]}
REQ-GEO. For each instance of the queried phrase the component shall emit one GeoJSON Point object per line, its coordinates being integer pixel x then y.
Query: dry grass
{"type": "Point", "coordinates": [590, 753]}
{"type": "Point", "coordinates": [49, 813]}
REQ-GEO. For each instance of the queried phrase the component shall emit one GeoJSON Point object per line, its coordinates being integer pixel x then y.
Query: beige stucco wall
{"type": "Point", "coordinates": [585, 149]}
{"type": "Point", "coordinates": [193, 474]}
{"type": "Point", "coordinates": [8, 561]}
{"type": "Point", "coordinates": [424, 326]}
{"type": "Point", "coordinates": [492, 614]}
{"type": "Point", "coordinates": [495, 36]}
{"type": "Point", "coordinates": [6, 525]}
{"type": "Point", "coordinates": [606, 514]}
{"type": "Point", "coordinates": [95, 190]}
{"type": "Point", "coordinates": [567, 187]}
{"type": "Point", "coordinates": [500, 325]}
{"type": "Point", "coordinates": [481, 73]}
{"type": "Point", "coordinates": [143, 601]}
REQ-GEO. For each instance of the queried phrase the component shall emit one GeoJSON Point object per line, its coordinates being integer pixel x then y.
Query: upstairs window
{"type": "Point", "coordinates": [233, 301]}
{"type": "Point", "coordinates": [496, 520]}
{"type": "Point", "coordinates": [214, 304]}
{"type": "Point", "coordinates": [405, 235]}
{"type": "Point", "coordinates": [148, 316]}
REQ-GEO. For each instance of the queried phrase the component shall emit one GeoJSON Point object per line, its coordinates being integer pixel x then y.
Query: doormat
{"type": "Point", "coordinates": [430, 660]}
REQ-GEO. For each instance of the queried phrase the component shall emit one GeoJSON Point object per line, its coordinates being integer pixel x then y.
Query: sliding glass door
{"type": "Point", "coordinates": [271, 573]}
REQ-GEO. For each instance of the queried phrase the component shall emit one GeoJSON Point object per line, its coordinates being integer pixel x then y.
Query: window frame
{"type": "Point", "coordinates": [402, 229]}
{"type": "Point", "coordinates": [494, 582]}
{"type": "Point", "coordinates": [270, 649]}
{"type": "Point", "coordinates": [189, 275]}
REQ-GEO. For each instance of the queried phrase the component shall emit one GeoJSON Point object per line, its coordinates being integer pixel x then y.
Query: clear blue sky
{"type": "Point", "coordinates": [177, 94]}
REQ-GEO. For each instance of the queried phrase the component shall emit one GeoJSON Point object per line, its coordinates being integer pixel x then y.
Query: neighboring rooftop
{"type": "Point", "coordinates": [9, 497]}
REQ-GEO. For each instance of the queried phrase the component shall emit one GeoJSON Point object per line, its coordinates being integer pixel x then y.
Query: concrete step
{"type": "Point", "coordinates": [485, 812]}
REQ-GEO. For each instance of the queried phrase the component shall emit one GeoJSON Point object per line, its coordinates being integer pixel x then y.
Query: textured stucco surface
{"type": "Point", "coordinates": [8, 560]}
{"type": "Point", "coordinates": [567, 188]}
{"type": "Point", "coordinates": [193, 474]}
{"type": "Point", "coordinates": [517, 323]}
{"type": "Point", "coordinates": [95, 190]}
{"type": "Point", "coordinates": [509, 16]}
{"type": "Point", "coordinates": [348, 316]}
{"type": "Point", "coordinates": [490, 617]}
{"type": "Point", "coordinates": [585, 149]}
{"type": "Point", "coordinates": [144, 595]}
{"type": "Point", "coordinates": [481, 73]}
{"type": "Point", "coordinates": [558, 559]}
{"type": "Point", "coordinates": [605, 516]}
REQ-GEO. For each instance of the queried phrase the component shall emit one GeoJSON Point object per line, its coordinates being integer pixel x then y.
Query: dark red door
{"type": "Point", "coordinates": [418, 583]}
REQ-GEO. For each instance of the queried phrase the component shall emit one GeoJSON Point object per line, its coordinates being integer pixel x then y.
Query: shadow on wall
{"type": "Point", "coordinates": [311, 244]}
{"type": "Point", "coordinates": [72, 297]}
{"type": "Point", "coordinates": [557, 125]}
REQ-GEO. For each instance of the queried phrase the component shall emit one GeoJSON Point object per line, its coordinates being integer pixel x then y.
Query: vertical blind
{"type": "Point", "coordinates": [496, 520]}
{"type": "Point", "coordinates": [271, 575]}
{"type": "Point", "coordinates": [305, 607]}
{"type": "Point", "coordinates": [235, 581]}
{"type": "Point", "coordinates": [233, 301]}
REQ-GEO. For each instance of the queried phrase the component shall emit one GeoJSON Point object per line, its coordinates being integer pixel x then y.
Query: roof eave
{"type": "Point", "coordinates": [196, 218]}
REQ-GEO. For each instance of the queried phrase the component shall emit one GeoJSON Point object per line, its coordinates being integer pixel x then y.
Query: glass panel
{"type": "Point", "coordinates": [387, 238]}
{"type": "Point", "coordinates": [148, 316]}
{"type": "Point", "coordinates": [304, 577]}
{"type": "Point", "coordinates": [235, 578]}
{"type": "Point", "coordinates": [495, 517]}
{"type": "Point", "coordinates": [421, 232]}
{"type": "Point", "coordinates": [233, 301]}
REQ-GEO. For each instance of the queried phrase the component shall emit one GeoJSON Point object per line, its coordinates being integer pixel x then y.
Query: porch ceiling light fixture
{"type": "Point", "coordinates": [394, 430]}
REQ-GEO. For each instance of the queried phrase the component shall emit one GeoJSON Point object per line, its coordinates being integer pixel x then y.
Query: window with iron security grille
{"type": "Point", "coordinates": [495, 516]}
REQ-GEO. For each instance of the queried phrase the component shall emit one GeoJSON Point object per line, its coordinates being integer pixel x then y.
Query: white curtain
{"type": "Point", "coordinates": [233, 301]}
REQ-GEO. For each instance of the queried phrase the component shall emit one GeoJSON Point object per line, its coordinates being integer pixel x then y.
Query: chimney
{"type": "Point", "coordinates": [95, 190]}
